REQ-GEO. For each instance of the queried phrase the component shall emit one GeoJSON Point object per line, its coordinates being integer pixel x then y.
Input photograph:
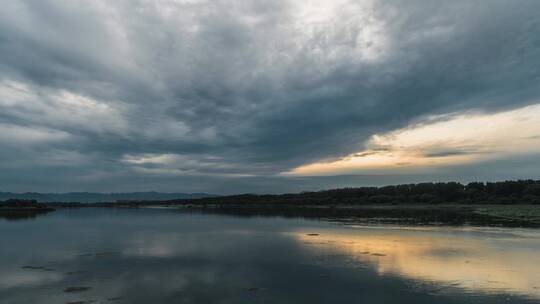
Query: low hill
{"type": "Point", "coordinates": [93, 197]}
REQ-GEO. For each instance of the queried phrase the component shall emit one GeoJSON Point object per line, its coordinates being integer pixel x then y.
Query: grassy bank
{"type": "Point", "coordinates": [515, 212]}
{"type": "Point", "coordinates": [415, 214]}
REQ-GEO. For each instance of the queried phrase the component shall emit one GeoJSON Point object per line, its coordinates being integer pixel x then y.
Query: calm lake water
{"type": "Point", "coordinates": [166, 256]}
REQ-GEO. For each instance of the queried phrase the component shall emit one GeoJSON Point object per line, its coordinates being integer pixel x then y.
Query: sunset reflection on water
{"type": "Point", "coordinates": [476, 259]}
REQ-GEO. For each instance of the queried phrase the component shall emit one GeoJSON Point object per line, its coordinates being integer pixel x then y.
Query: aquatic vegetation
{"type": "Point", "coordinates": [77, 289]}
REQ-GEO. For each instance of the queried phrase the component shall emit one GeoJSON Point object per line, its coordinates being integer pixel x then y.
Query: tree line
{"type": "Point", "coordinates": [506, 192]}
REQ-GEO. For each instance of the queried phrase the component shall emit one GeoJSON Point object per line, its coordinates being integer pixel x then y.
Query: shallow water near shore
{"type": "Point", "coordinates": [165, 256]}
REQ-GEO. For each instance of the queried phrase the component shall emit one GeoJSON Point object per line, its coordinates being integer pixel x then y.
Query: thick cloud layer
{"type": "Point", "coordinates": [105, 95]}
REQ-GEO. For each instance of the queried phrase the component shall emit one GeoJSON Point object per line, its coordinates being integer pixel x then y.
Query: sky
{"type": "Point", "coordinates": [266, 96]}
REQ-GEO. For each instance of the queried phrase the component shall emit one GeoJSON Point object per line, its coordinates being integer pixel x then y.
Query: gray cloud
{"type": "Point", "coordinates": [452, 152]}
{"type": "Point", "coordinates": [240, 88]}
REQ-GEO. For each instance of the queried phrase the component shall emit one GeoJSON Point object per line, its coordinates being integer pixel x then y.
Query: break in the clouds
{"type": "Point", "coordinates": [446, 141]}
{"type": "Point", "coordinates": [254, 96]}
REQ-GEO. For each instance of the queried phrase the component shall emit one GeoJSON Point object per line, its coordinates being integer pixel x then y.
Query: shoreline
{"type": "Point", "coordinates": [503, 215]}
{"type": "Point", "coordinates": [523, 215]}
{"type": "Point", "coordinates": [22, 213]}
{"type": "Point", "coordinates": [454, 215]}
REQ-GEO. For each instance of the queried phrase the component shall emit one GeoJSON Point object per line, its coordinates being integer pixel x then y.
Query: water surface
{"type": "Point", "coordinates": [166, 256]}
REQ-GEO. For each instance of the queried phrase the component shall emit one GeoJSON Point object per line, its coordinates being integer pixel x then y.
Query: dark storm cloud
{"type": "Point", "coordinates": [99, 90]}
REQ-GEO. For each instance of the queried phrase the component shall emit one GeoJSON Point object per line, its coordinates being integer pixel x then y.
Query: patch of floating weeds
{"type": "Point", "coordinates": [99, 254]}
{"type": "Point", "coordinates": [28, 267]}
{"type": "Point", "coordinates": [105, 254]}
{"type": "Point", "coordinates": [75, 272]}
{"type": "Point", "coordinates": [76, 289]}
{"type": "Point", "coordinates": [254, 289]}
{"type": "Point", "coordinates": [33, 267]}
{"type": "Point", "coordinates": [114, 299]}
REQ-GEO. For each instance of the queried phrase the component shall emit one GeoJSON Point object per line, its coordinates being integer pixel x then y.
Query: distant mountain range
{"type": "Point", "coordinates": [94, 197]}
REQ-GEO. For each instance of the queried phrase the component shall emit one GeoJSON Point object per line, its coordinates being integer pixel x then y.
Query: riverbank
{"type": "Point", "coordinates": [416, 214]}
{"type": "Point", "coordinates": [14, 209]}
{"type": "Point", "coordinates": [13, 213]}
{"type": "Point", "coordinates": [515, 215]}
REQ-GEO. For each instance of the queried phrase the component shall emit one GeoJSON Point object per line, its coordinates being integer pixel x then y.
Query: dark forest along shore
{"type": "Point", "coordinates": [507, 203]}
{"type": "Point", "coordinates": [109, 255]}
{"type": "Point", "coordinates": [14, 209]}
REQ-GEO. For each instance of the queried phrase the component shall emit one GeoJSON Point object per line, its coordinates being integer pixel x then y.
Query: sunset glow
{"type": "Point", "coordinates": [441, 141]}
